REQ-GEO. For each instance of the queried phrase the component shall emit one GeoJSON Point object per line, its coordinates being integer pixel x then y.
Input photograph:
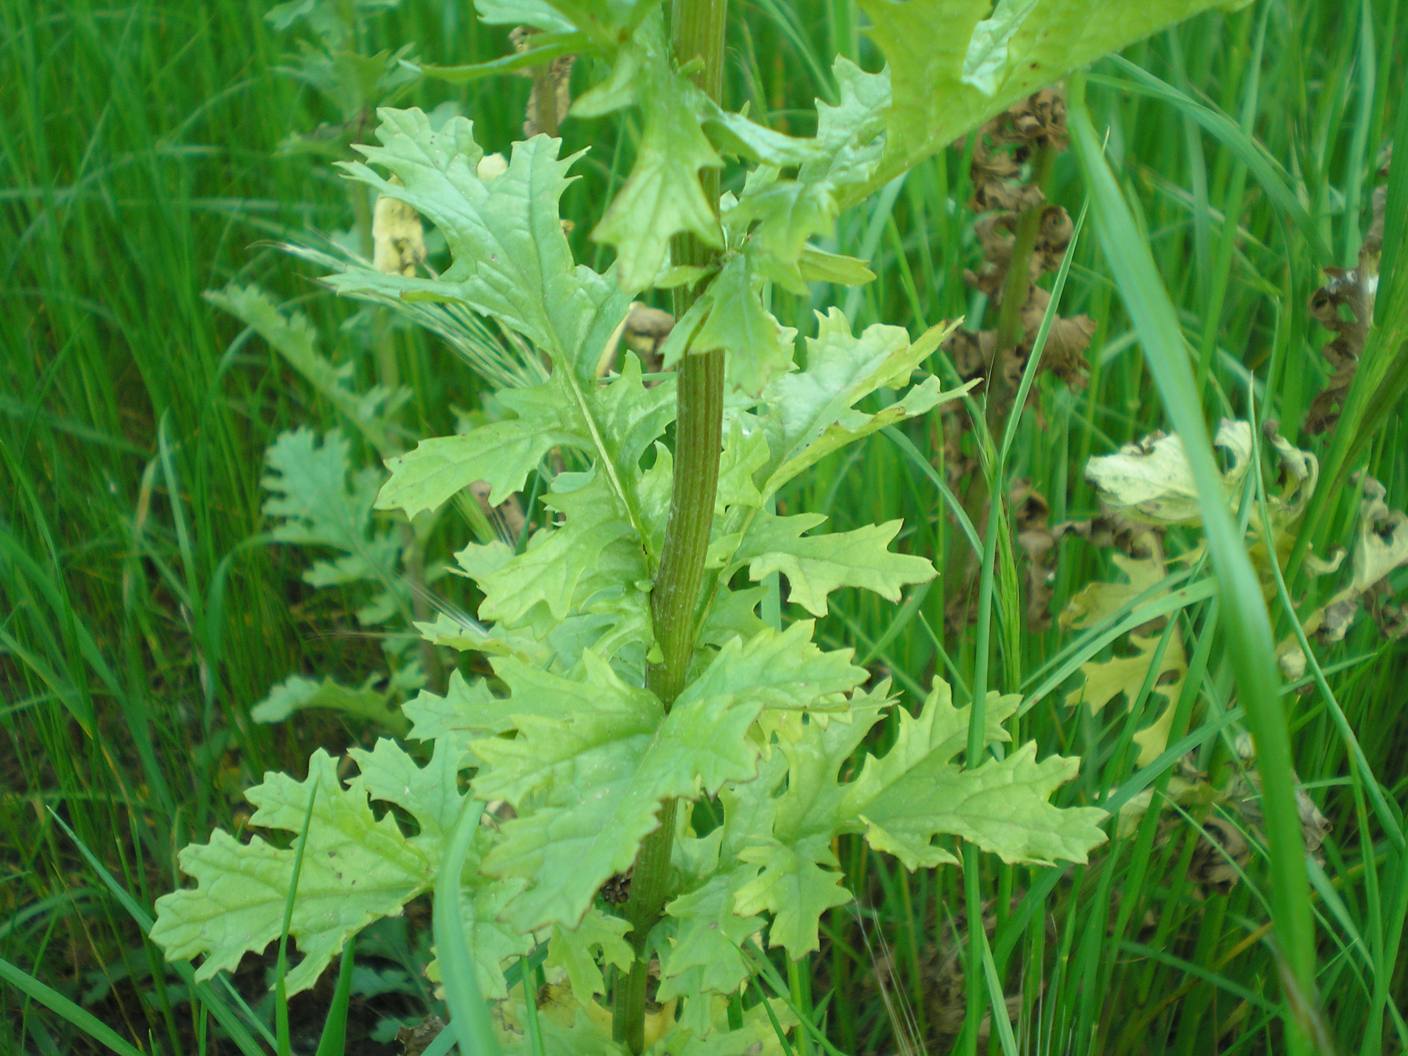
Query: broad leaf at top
{"type": "Point", "coordinates": [955, 63]}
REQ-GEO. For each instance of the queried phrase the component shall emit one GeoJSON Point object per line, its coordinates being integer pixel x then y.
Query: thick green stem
{"type": "Point", "coordinates": [698, 29]}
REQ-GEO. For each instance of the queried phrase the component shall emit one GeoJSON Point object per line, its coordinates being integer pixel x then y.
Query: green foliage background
{"type": "Point", "coordinates": [142, 613]}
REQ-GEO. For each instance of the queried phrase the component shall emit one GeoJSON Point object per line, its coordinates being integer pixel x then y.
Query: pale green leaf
{"type": "Point", "coordinates": [816, 565]}
{"type": "Point", "coordinates": [565, 1031]}
{"type": "Point", "coordinates": [297, 693]}
{"type": "Point", "coordinates": [501, 453]}
{"type": "Point", "coordinates": [986, 59]}
{"type": "Point", "coordinates": [704, 954]}
{"type": "Point", "coordinates": [847, 149]}
{"type": "Point", "coordinates": [456, 631]}
{"type": "Point", "coordinates": [745, 453]}
{"type": "Point", "coordinates": [797, 884]}
{"type": "Point", "coordinates": [593, 550]}
{"type": "Point", "coordinates": [540, 14]}
{"type": "Point", "coordinates": [774, 669]}
{"type": "Point", "coordinates": [799, 877]}
{"type": "Point", "coordinates": [703, 1030]}
{"type": "Point", "coordinates": [429, 794]}
{"type": "Point", "coordinates": [1002, 806]}
{"type": "Point", "coordinates": [820, 266]}
{"type": "Point", "coordinates": [492, 942]}
{"type": "Point", "coordinates": [817, 403]}
{"type": "Point", "coordinates": [662, 196]}
{"type": "Point", "coordinates": [511, 260]}
{"type": "Point", "coordinates": [619, 744]}
{"type": "Point", "coordinates": [355, 869]}
{"type": "Point", "coordinates": [575, 951]}
{"type": "Point", "coordinates": [954, 64]}
{"type": "Point", "coordinates": [467, 710]}
{"type": "Point", "coordinates": [758, 347]}
{"type": "Point", "coordinates": [939, 733]}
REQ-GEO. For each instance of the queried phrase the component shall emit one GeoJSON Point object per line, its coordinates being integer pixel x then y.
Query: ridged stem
{"type": "Point", "coordinates": [698, 30]}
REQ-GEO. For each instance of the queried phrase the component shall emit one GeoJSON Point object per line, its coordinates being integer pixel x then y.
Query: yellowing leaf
{"type": "Point", "coordinates": [1153, 480]}
{"type": "Point", "coordinates": [1104, 680]}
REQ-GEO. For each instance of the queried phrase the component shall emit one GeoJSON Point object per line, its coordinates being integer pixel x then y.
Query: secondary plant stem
{"type": "Point", "coordinates": [698, 29]}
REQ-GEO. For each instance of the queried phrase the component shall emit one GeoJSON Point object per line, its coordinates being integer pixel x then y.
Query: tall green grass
{"type": "Point", "coordinates": [142, 614]}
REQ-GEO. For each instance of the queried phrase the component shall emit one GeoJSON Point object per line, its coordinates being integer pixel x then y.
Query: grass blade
{"type": "Point", "coordinates": [1250, 645]}
{"type": "Point", "coordinates": [469, 1015]}
{"type": "Point", "coordinates": [56, 1002]}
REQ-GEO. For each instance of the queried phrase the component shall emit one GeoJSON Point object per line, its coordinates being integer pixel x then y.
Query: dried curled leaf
{"type": "Point", "coordinates": [1006, 187]}
{"type": "Point", "coordinates": [1344, 305]}
{"type": "Point", "coordinates": [1158, 658]}
{"type": "Point", "coordinates": [551, 96]}
{"type": "Point", "coordinates": [1031, 514]}
{"type": "Point", "coordinates": [1152, 479]}
{"type": "Point", "coordinates": [1380, 547]}
{"type": "Point", "coordinates": [398, 238]}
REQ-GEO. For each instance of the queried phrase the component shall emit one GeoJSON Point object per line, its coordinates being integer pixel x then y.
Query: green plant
{"type": "Point", "coordinates": [319, 492]}
{"type": "Point", "coordinates": [643, 717]}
